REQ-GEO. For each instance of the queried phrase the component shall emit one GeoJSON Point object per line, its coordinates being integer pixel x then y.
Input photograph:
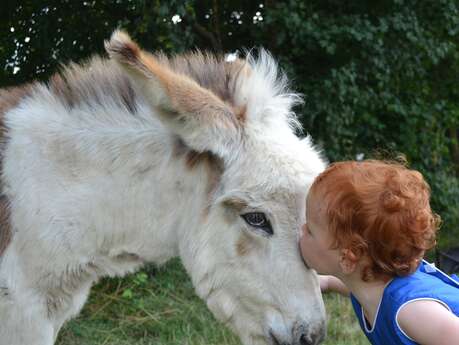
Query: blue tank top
{"type": "Point", "coordinates": [427, 282]}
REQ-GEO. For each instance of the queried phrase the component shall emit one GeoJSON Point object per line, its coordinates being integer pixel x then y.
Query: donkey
{"type": "Point", "coordinates": [139, 158]}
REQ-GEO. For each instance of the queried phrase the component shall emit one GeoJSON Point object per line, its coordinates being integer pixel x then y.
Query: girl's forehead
{"type": "Point", "coordinates": [315, 207]}
{"type": "Point", "coordinates": [316, 200]}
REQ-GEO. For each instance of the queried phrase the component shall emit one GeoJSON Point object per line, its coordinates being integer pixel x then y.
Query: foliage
{"type": "Point", "coordinates": [39, 35]}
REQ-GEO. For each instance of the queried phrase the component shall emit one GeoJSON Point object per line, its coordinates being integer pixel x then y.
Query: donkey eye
{"type": "Point", "coordinates": [259, 221]}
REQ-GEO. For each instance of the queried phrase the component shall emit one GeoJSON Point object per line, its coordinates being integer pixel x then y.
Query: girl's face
{"type": "Point", "coordinates": [316, 240]}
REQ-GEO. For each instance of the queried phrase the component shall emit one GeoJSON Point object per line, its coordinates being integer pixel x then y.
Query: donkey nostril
{"type": "Point", "coordinates": [304, 340]}
{"type": "Point", "coordinates": [313, 335]}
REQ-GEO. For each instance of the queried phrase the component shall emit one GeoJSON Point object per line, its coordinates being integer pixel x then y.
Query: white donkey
{"type": "Point", "coordinates": [141, 158]}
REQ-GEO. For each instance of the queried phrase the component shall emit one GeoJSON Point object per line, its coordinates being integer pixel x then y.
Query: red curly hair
{"type": "Point", "coordinates": [379, 211]}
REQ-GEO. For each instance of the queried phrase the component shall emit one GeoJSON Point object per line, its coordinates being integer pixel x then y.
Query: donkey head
{"type": "Point", "coordinates": [243, 258]}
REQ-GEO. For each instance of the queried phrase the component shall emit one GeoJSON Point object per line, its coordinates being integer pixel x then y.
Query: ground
{"type": "Point", "coordinates": [158, 306]}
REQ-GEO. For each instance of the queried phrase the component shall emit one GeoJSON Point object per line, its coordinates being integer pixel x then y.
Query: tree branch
{"type": "Point", "coordinates": [216, 24]}
{"type": "Point", "coordinates": [200, 30]}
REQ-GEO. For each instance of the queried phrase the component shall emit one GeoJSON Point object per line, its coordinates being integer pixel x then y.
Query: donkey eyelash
{"type": "Point", "coordinates": [259, 221]}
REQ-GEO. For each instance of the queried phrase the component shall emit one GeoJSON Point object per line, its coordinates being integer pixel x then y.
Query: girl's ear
{"type": "Point", "coordinates": [348, 261]}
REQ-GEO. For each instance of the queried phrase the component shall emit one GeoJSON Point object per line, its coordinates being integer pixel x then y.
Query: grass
{"type": "Point", "coordinates": [159, 307]}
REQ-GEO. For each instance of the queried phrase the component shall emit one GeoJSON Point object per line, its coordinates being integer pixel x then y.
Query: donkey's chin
{"type": "Point", "coordinates": [248, 327]}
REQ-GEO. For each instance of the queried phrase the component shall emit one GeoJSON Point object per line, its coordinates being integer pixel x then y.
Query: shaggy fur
{"type": "Point", "coordinates": [140, 158]}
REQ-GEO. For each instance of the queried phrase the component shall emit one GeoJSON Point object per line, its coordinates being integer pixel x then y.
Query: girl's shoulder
{"type": "Point", "coordinates": [426, 283]}
{"type": "Point", "coordinates": [427, 321]}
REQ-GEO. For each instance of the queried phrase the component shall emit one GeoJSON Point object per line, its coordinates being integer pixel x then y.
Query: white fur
{"type": "Point", "coordinates": [97, 192]}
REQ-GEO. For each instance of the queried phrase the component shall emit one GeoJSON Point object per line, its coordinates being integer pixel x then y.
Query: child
{"type": "Point", "coordinates": [368, 226]}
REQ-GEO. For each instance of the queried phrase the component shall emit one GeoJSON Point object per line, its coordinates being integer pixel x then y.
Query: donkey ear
{"type": "Point", "coordinates": [201, 119]}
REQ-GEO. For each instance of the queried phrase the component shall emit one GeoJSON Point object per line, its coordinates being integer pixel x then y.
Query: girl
{"type": "Point", "coordinates": [368, 226]}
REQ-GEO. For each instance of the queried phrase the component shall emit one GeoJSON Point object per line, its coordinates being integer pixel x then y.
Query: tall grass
{"type": "Point", "coordinates": [158, 306]}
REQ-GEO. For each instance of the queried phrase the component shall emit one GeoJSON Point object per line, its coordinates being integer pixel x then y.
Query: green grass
{"type": "Point", "coordinates": [158, 306]}
{"type": "Point", "coordinates": [343, 328]}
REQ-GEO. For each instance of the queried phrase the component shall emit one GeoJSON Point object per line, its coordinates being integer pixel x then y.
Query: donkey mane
{"type": "Point", "coordinates": [98, 79]}
{"type": "Point", "coordinates": [209, 71]}
{"type": "Point", "coordinates": [239, 83]}
{"type": "Point", "coordinates": [96, 82]}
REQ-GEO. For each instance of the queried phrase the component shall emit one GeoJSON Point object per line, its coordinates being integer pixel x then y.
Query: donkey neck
{"type": "Point", "coordinates": [158, 196]}
{"type": "Point", "coordinates": [120, 179]}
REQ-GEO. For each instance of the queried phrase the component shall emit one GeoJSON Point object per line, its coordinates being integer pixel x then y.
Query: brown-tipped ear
{"type": "Point", "coordinates": [199, 117]}
{"type": "Point", "coordinates": [121, 48]}
{"type": "Point", "coordinates": [145, 71]}
{"type": "Point", "coordinates": [126, 52]}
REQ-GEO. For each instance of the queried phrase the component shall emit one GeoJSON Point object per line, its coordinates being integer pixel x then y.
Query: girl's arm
{"type": "Point", "coordinates": [428, 322]}
{"type": "Point", "coordinates": [331, 283]}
